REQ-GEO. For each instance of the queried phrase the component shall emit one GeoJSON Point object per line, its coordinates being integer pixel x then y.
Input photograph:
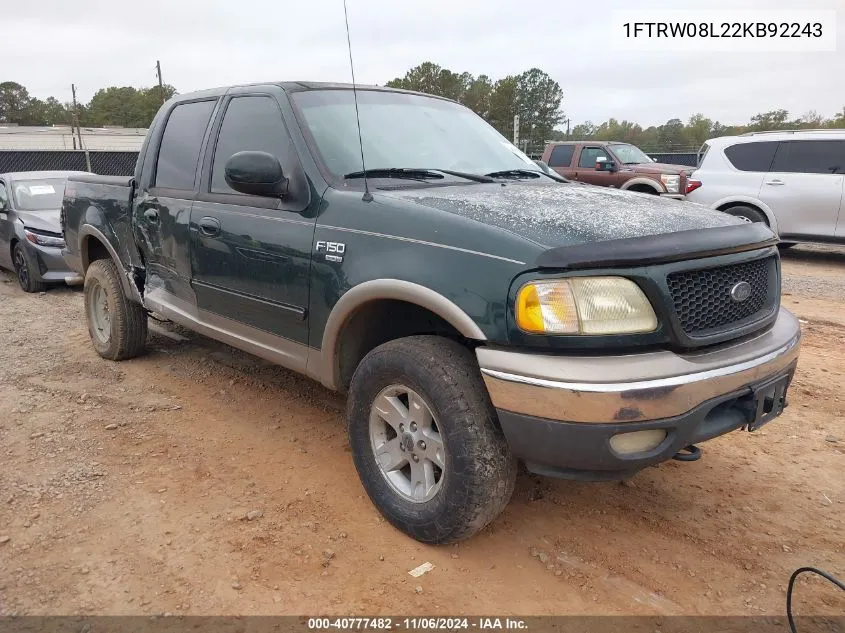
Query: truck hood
{"type": "Point", "coordinates": [555, 214]}
{"type": "Point", "coordinates": [41, 220]}
{"type": "Point", "coordinates": [656, 168]}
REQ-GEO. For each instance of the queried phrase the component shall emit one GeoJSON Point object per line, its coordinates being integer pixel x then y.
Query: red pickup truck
{"type": "Point", "coordinates": [619, 165]}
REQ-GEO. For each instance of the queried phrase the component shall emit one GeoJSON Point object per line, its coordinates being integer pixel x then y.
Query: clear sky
{"type": "Point", "coordinates": [51, 43]}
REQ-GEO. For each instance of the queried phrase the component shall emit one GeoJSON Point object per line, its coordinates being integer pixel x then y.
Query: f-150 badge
{"type": "Point", "coordinates": [334, 250]}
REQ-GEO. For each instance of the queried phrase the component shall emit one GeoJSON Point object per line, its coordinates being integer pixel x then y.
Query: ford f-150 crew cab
{"type": "Point", "coordinates": [476, 309]}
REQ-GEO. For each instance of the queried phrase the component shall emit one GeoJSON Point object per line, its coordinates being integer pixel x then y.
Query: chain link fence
{"type": "Point", "coordinates": [103, 163]}
{"type": "Point", "coordinates": [123, 163]}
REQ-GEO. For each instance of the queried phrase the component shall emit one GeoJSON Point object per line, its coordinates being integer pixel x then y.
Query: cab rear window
{"type": "Point", "coordinates": [752, 156]}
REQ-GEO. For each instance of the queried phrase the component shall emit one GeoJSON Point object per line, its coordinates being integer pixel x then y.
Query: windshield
{"type": "Point", "coordinates": [38, 195]}
{"type": "Point", "coordinates": [403, 131]}
{"type": "Point", "coordinates": [630, 154]}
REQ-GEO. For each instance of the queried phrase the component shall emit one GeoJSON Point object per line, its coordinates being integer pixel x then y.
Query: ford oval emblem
{"type": "Point", "coordinates": [741, 291]}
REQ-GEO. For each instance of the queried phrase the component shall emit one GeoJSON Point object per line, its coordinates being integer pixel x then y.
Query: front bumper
{"type": "Point", "coordinates": [559, 412]}
{"type": "Point", "coordinates": [49, 264]}
{"type": "Point", "coordinates": [674, 196]}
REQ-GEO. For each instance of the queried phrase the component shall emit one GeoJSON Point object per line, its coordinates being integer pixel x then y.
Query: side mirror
{"type": "Point", "coordinates": [256, 174]}
{"type": "Point", "coordinates": [602, 164]}
{"type": "Point", "coordinates": [543, 166]}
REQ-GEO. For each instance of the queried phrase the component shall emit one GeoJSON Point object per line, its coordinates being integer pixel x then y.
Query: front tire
{"type": "Point", "coordinates": [25, 271]}
{"type": "Point", "coordinates": [749, 213]}
{"type": "Point", "coordinates": [117, 325]}
{"type": "Point", "coordinates": [426, 440]}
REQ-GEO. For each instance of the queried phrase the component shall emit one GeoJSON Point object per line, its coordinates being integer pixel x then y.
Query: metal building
{"type": "Point", "coordinates": [61, 137]}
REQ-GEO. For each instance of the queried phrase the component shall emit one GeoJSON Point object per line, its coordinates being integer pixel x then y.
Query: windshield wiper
{"type": "Point", "coordinates": [416, 173]}
{"type": "Point", "coordinates": [516, 173]}
{"type": "Point", "coordinates": [408, 173]}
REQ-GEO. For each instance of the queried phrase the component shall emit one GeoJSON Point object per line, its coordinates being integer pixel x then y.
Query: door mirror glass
{"type": "Point", "coordinates": [603, 164]}
{"type": "Point", "coordinates": [256, 174]}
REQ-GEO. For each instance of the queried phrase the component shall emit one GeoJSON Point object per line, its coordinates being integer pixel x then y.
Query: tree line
{"type": "Point", "coordinates": [124, 106]}
{"type": "Point", "coordinates": [533, 95]}
{"type": "Point", "coordinates": [677, 136]}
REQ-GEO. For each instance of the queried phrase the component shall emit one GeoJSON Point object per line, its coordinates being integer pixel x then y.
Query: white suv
{"type": "Point", "coordinates": [792, 180]}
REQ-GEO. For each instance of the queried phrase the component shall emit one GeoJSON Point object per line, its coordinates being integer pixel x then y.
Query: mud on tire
{"type": "Point", "coordinates": [117, 325]}
{"type": "Point", "coordinates": [478, 474]}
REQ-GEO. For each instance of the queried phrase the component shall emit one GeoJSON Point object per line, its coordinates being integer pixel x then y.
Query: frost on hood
{"type": "Point", "coordinates": [558, 214]}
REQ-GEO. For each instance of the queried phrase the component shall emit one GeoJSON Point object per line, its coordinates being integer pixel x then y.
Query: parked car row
{"type": "Point", "coordinates": [793, 181]}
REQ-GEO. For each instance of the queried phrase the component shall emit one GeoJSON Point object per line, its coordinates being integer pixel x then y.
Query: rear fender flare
{"type": "Point", "coordinates": [87, 231]}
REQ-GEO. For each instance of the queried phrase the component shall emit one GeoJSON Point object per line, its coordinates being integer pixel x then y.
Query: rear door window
{"type": "Point", "coordinates": [181, 144]}
{"type": "Point", "coordinates": [752, 156]}
{"type": "Point", "coordinates": [561, 156]}
{"type": "Point", "coordinates": [589, 156]}
{"type": "Point", "coordinates": [4, 197]}
{"type": "Point", "coordinates": [810, 157]}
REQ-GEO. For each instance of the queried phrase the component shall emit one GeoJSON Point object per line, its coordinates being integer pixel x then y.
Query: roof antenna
{"type": "Point", "coordinates": [368, 197]}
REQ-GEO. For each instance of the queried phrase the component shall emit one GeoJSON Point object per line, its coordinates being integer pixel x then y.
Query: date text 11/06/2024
{"type": "Point", "coordinates": [421, 623]}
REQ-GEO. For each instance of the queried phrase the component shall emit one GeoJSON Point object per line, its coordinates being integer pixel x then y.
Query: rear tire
{"type": "Point", "coordinates": [24, 270]}
{"type": "Point", "coordinates": [117, 325]}
{"type": "Point", "coordinates": [749, 213]}
{"type": "Point", "coordinates": [430, 386]}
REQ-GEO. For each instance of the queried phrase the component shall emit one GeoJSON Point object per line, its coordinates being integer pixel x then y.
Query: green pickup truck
{"type": "Point", "coordinates": [477, 309]}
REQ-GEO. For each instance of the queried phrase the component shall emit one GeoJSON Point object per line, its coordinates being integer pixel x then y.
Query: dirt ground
{"type": "Point", "coordinates": [124, 489]}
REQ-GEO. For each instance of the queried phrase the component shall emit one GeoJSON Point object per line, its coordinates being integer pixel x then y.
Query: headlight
{"type": "Point", "coordinates": [584, 305]}
{"type": "Point", "coordinates": [44, 240]}
{"type": "Point", "coordinates": [672, 183]}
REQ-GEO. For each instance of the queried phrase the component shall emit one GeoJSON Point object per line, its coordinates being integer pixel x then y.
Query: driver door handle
{"type": "Point", "coordinates": [151, 215]}
{"type": "Point", "coordinates": [775, 182]}
{"type": "Point", "coordinates": [210, 227]}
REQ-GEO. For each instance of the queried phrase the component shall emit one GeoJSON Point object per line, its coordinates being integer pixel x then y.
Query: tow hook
{"type": "Point", "coordinates": [689, 453]}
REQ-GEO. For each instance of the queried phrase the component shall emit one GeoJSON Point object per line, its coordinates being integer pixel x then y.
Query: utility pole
{"type": "Point", "coordinates": [79, 129]}
{"type": "Point", "coordinates": [74, 128]}
{"type": "Point", "coordinates": [160, 82]}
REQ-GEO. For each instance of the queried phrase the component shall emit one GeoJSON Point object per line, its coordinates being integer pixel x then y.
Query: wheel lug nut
{"type": "Point", "coordinates": [401, 427]}
{"type": "Point", "coordinates": [413, 426]}
{"type": "Point", "coordinates": [401, 447]}
{"type": "Point", "coordinates": [421, 445]}
{"type": "Point", "coordinates": [414, 457]}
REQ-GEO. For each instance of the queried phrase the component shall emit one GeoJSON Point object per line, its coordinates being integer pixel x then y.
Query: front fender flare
{"type": "Point", "coordinates": [396, 289]}
{"type": "Point", "coordinates": [649, 182]}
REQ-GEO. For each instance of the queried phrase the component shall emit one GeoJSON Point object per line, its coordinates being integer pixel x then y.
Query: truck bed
{"type": "Point", "coordinates": [104, 205]}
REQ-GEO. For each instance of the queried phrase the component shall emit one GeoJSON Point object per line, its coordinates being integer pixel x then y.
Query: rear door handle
{"type": "Point", "coordinates": [151, 215]}
{"type": "Point", "coordinates": [775, 182]}
{"type": "Point", "coordinates": [209, 227]}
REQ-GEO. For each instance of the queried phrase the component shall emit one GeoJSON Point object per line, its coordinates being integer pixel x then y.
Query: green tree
{"type": "Point", "coordinates": [48, 112]}
{"type": "Point", "coordinates": [670, 135]}
{"type": "Point", "coordinates": [583, 131]}
{"type": "Point", "coordinates": [477, 95]}
{"type": "Point", "coordinates": [14, 103]}
{"type": "Point", "coordinates": [772, 120]}
{"type": "Point", "coordinates": [503, 105]}
{"type": "Point", "coordinates": [125, 106]}
{"type": "Point", "coordinates": [698, 130]}
{"type": "Point", "coordinates": [538, 99]}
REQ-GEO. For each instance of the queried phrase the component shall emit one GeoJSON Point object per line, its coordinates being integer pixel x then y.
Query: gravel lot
{"type": "Point", "coordinates": [200, 480]}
